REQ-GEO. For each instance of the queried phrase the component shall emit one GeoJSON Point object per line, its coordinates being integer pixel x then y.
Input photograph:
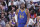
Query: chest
{"type": "Point", "coordinates": [21, 13]}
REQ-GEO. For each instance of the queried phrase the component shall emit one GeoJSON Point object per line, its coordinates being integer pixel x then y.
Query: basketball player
{"type": "Point", "coordinates": [23, 16]}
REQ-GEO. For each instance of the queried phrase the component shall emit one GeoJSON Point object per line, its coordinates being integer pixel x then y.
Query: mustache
{"type": "Point", "coordinates": [22, 7]}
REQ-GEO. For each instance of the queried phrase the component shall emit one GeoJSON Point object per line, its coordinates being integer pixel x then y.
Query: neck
{"type": "Point", "coordinates": [22, 9]}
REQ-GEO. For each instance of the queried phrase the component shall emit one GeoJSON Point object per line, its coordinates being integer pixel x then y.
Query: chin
{"type": "Point", "coordinates": [22, 8]}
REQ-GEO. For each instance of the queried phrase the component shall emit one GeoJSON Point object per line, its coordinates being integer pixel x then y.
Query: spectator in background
{"type": "Point", "coordinates": [38, 19]}
{"type": "Point", "coordinates": [7, 25]}
{"type": "Point", "coordinates": [11, 3]}
{"type": "Point", "coordinates": [33, 16]}
{"type": "Point", "coordinates": [9, 16]}
{"type": "Point", "coordinates": [12, 13]}
{"type": "Point", "coordinates": [22, 0]}
{"type": "Point", "coordinates": [0, 8]}
{"type": "Point", "coordinates": [38, 2]}
{"type": "Point", "coordinates": [18, 2]}
{"type": "Point", "coordinates": [2, 22]}
{"type": "Point", "coordinates": [3, 17]}
{"type": "Point", "coordinates": [12, 22]}
{"type": "Point", "coordinates": [36, 7]}
{"type": "Point", "coordinates": [3, 5]}
{"type": "Point", "coordinates": [2, 2]}
{"type": "Point", "coordinates": [6, 16]}
{"type": "Point", "coordinates": [13, 8]}
{"type": "Point", "coordinates": [38, 12]}
{"type": "Point", "coordinates": [31, 8]}
{"type": "Point", "coordinates": [26, 3]}
{"type": "Point", "coordinates": [30, 5]}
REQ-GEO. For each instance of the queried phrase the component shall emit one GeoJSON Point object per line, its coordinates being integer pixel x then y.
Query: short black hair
{"type": "Point", "coordinates": [3, 4]}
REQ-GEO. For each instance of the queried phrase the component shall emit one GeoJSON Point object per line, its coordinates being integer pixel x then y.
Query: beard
{"type": "Point", "coordinates": [22, 7]}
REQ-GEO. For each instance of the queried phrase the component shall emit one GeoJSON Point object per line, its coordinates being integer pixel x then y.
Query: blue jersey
{"type": "Point", "coordinates": [22, 16]}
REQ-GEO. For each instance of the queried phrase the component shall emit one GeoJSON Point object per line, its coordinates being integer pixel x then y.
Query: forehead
{"type": "Point", "coordinates": [22, 3]}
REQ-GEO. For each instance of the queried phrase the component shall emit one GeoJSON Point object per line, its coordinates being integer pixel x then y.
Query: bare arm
{"type": "Point", "coordinates": [28, 16]}
{"type": "Point", "coordinates": [17, 11]}
{"type": "Point", "coordinates": [17, 17]}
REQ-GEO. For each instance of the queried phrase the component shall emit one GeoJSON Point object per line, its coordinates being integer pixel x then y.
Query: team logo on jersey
{"type": "Point", "coordinates": [22, 16]}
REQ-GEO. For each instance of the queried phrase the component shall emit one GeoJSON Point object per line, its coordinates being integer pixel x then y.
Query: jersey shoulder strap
{"type": "Point", "coordinates": [26, 11]}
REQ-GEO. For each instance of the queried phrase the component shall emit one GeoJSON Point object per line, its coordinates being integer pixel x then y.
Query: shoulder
{"type": "Point", "coordinates": [17, 10]}
{"type": "Point", "coordinates": [27, 10]}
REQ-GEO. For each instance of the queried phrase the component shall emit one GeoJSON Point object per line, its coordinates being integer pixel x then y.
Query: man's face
{"type": "Point", "coordinates": [31, 12]}
{"type": "Point", "coordinates": [31, 2]}
{"type": "Point", "coordinates": [22, 6]}
{"type": "Point", "coordinates": [2, 15]}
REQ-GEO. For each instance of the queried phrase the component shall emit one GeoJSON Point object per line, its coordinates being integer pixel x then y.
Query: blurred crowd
{"type": "Point", "coordinates": [9, 7]}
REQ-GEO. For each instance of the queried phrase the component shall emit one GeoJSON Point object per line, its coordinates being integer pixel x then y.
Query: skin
{"type": "Point", "coordinates": [39, 10]}
{"type": "Point", "coordinates": [0, 26]}
{"type": "Point", "coordinates": [10, 23]}
{"type": "Point", "coordinates": [31, 2]}
{"type": "Point", "coordinates": [13, 8]}
{"type": "Point", "coordinates": [27, 11]}
{"type": "Point", "coordinates": [38, 18]}
{"type": "Point", "coordinates": [7, 25]}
